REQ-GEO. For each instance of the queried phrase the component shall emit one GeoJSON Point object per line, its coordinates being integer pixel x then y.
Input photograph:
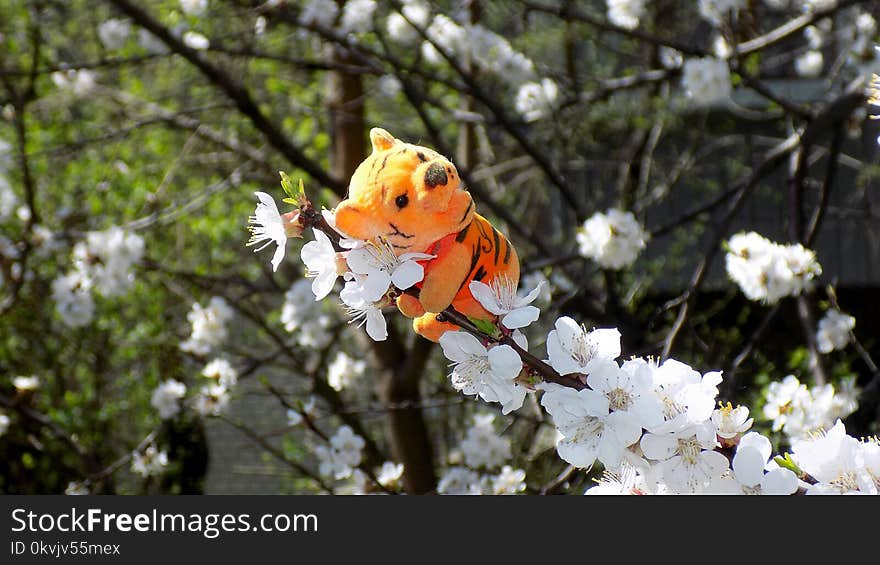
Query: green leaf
{"type": "Point", "coordinates": [296, 195]}
{"type": "Point", "coordinates": [486, 327]}
{"type": "Point", "coordinates": [786, 462]}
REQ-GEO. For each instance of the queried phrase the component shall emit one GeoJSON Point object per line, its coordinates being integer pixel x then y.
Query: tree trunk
{"type": "Point", "coordinates": [399, 370]}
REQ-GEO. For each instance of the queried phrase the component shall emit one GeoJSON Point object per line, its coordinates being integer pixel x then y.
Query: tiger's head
{"type": "Point", "coordinates": [408, 194]}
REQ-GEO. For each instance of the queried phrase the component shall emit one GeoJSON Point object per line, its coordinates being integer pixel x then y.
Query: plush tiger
{"type": "Point", "coordinates": [412, 196]}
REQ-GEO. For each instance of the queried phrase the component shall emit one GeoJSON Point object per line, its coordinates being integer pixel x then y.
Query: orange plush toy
{"type": "Point", "coordinates": [412, 196]}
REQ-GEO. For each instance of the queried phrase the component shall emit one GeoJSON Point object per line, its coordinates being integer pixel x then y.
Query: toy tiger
{"type": "Point", "coordinates": [412, 196]}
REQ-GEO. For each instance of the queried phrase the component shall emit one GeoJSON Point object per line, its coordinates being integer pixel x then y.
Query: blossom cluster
{"type": "Point", "coordinates": [104, 263]}
{"type": "Point", "coordinates": [612, 239]}
{"type": "Point", "coordinates": [481, 451]}
{"type": "Point", "coordinates": [766, 271]}
{"type": "Point", "coordinates": [211, 399]}
{"type": "Point", "coordinates": [835, 331]}
{"type": "Point", "coordinates": [800, 412]}
{"type": "Point", "coordinates": [655, 427]}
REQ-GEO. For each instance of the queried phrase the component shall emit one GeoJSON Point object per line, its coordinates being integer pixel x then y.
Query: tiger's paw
{"type": "Point", "coordinates": [410, 306]}
{"type": "Point", "coordinates": [429, 328]}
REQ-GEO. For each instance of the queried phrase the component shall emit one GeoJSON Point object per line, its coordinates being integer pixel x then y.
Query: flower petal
{"type": "Point", "coordinates": [457, 346]}
{"type": "Point", "coordinates": [376, 327]}
{"type": "Point", "coordinates": [521, 317]}
{"type": "Point", "coordinates": [758, 442]}
{"type": "Point", "coordinates": [530, 297]}
{"type": "Point", "coordinates": [484, 294]}
{"type": "Point", "coordinates": [779, 482]}
{"type": "Point", "coordinates": [505, 362]}
{"type": "Point", "coordinates": [748, 466]}
{"type": "Point", "coordinates": [279, 255]}
{"type": "Point", "coordinates": [407, 274]}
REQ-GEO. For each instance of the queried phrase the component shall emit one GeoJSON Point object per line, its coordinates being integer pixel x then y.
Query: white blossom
{"type": "Point", "coordinates": [193, 7]}
{"type": "Point", "coordinates": [400, 30]}
{"type": "Point", "coordinates": [114, 32]}
{"type": "Point", "coordinates": [195, 40]}
{"type": "Point", "coordinates": [706, 80]}
{"type": "Point", "coordinates": [635, 476]}
{"type": "Point", "coordinates": [625, 13]}
{"type": "Point", "coordinates": [730, 422]}
{"type": "Point", "coordinates": [493, 53]}
{"type": "Point", "coordinates": [357, 16]}
{"type": "Point", "coordinates": [294, 417]}
{"type": "Point", "coordinates": [211, 400]}
{"type": "Point", "coordinates": [321, 261]}
{"type": "Point", "coordinates": [76, 489]}
{"type": "Point", "coordinates": [836, 460]}
{"type": "Point", "coordinates": [809, 64]}
{"type": "Point", "coordinates": [363, 311]}
{"type": "Point", "coordinates": [689, 463]}
{"type": "Point", "coordinates": [766, 271]}
{"type": "Point", "coordinates": [589, 430]}
{"type": "Point", "coordinates": [108, 258]}
{"type": "Point", "coordinates": [536, 100]}
{"type": "Point", "coordinates": [489, 373]}
{"type": "Point", "coordinates": [482, 446]}
{"type": "Point", "coordinates": [343, 371]}
{"type": "Point", "coordinates": [500, 298]}
{"type": "Point", "coordinates": [73, 299]}
{"type": "Point", "coordinates": [390, 474]}
{"type": "Point", "coordinates": [572, 349]}
{"type": "Point", "coordinates": [222, 372]}
{"type": "Point", "coordinates": [834, 331]}
{"type": "Point", "coordinates": [459, 480]}
{"type": "Point", "coordinates": [389, 86]}
{"type": "Point", "coordinates": [509, 481]}
{"type": "Point", "coordinates": [613, 239]}
{"type": "Point", "coordinates": [687, 398]}
{"type": "Point", "coordinates": [445, 33]}
{"type": "Point", "coordinates": [341, 454]}
{"type": "Point", "coordinates": [629, 388]}
{"type": "Point", "coordinates": [752, 471]}
{"type": "Point", "coordinates": [26, 384]}
{"type": "Point", "coordinates": [150, 462]}
{"type": "Point", "coordinates": [378, 263]}
{"type": "Point", "coordinates": [268, 227]}
{"type": "Point", "coordinates": [166, 398]}
{"type": "Point", "coordinates": [209, 326]}
{"type": "Point", "coordinates": [801, 412]}
{"type": "Point", "coordinates": [721, 48]}
{"type": "Point", "coordinates": [78, 82]}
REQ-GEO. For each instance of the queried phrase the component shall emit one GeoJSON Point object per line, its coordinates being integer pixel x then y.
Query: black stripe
{"type": "Point", "coordinates": [475, 256]}
{"type": "Point", "coordinates": [422, 157]}
{"type": "Point", "coordinates": [384, 162]}
{"type": "Point", "coordinates": [507, 252]}
{"type": "Point", "coordinates": [496, 235]}
{"type": "Point", "coordinates": [481, 274]}
{"type": "Point", "coordinates": [463, 233]}
{"type": "Point", "coordinates": [466, 212]}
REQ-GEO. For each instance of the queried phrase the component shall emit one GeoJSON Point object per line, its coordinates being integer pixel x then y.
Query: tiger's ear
{"type": "Point", "coordinates": [353, 220]}
{"type": "Point", "coordinates": [381, 139]}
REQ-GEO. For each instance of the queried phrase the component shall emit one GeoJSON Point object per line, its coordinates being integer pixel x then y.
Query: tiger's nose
{"type": "Point", "coordinates": [435, 175]}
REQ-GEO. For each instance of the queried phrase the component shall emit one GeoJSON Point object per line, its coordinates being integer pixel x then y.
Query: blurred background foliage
{"type": "Point", "coordinates": [171, 143]}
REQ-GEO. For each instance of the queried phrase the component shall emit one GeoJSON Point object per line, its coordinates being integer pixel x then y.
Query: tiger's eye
{"type": "Point", "coordinates": [401, 201]}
